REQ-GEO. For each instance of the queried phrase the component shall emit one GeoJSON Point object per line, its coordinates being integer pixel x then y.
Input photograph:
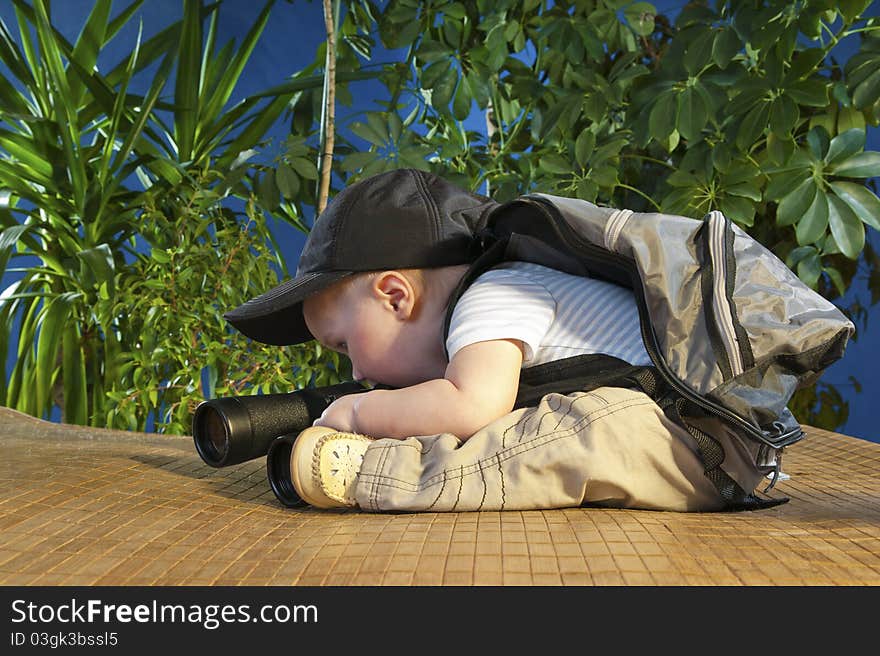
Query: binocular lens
{"type": "Point", "coordinates": [278, 472]}
{"type": "Point", "coordinates": [212, 433]}
{"type": "Point", "coordinates": [216, 432]}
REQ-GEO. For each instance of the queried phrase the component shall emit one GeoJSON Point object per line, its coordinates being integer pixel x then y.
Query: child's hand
{"type": "Point", "coordinates": [340, 414]}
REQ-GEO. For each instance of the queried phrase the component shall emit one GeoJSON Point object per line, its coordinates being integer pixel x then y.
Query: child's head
{"type": "Point", "coordinates": [389, 323]}
{"type": "Point", "coordinates": [396, 221]}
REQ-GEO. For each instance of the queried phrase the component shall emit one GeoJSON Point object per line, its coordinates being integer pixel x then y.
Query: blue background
{"type": "Point", "coordinates": [289, 43]}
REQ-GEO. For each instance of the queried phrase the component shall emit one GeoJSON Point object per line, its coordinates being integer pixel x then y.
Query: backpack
{"type": "Point", "coordinates": [732, 332]}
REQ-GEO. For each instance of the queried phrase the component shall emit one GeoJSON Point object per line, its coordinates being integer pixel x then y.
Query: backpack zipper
{"type": "Point", "coordinates": [717, 225]}
{"type": "Point", "coordinates": [597, 254]}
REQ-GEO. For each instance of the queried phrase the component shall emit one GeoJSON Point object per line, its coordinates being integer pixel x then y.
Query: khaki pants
{"type": "Point", "coordinates": [612, 447]}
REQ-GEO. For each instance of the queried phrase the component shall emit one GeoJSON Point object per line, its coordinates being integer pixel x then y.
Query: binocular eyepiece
{"type": "Point", "coordinates": [231, 430]}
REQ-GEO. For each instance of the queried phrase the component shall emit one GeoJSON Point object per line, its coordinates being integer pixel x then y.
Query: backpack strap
{"type": "Point", "coordinates": [580, 373]}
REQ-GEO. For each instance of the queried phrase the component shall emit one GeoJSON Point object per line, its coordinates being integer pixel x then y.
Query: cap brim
{"type": "Point", "coordinates": [276, 317]}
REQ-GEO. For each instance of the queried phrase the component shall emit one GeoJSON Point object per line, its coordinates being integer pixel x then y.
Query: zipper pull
{"type": "Point", "coordinates": [777, 470]}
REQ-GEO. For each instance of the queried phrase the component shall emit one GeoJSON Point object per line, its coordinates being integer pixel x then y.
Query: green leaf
{"type": "Point", "coordinates": [783, 115]}
{"type": "Point", "coordinates": [287, 181]}
{"type": "Point", "coordinates": [796, 204]}
{"type": "Point", "coordinates": [52, 320]}
{"type": "Point", "coordinates": [850, 118]}
{"type": "Point", "coordinates": [804, 64]}
{"type": "Point", "coordinates": [748, 190]}
{"type": "Point", "coordinates": [725, 46]}
{"type": "Point", "coordinates": [753, 126]}
{"type": "Point", "coordinates": [461, 104]}
{"type": "Point", "coordinates": [604, 176]}
{"type": "Point", "coordinates": [699, 51]}
{"type": "Point", "coordinates": [268, 191]}
{"type": "Point", "coordinates": [66, 119]}
{"type": "Point", "coordinates": [356, 161]}
{"type": "Point", "coordinates": [819, 142]}
{"type": "Point", "coordinates": [478, 88]}
{"type": "Point", "coordinates": [779, 148]}
{"type": "Point", "coordinates": [692, 113]}
{"type": "Point", "coordinates": [738, 209]}
{"type": "Point", "coordinates": [681, 178]}
{"type": "Point", "coordinates": [867, 92]}
{"type": "Point", "coordinates": [557, 164]}
{"type": "Point", "coordinates": [444, 88]}
{"type": "Point", "coordinates": [369, 133]}
{"type": "Point", "coordinates": [809, 269]}
{"type": "Point", "coordinates": [232, 72]}
{"type": "Point", "coordinates": [852, 9]}
{"type": "Point", "coordinates": [8, 239]}
{"type": "Point", "coordinates": [813, 224]}
{"type": "Point", "coordinates": [784, 179]}
{"type": "Point", "coordinates": [845, 145]}
{"type": "Point", "coordinates": [159, 255]}
{"type": "Point", "coordinates": [721, 157]}
{"type": "Point", "coordinates": [430, 50]}
{"type": "Point", "coordinates": [73, 373]}
{"type": "Point", "coordinates": [836, 278]}
{"type": "Point", "coordinates": [812, 93]}
{"type": "Point", "coordinates": [640, 17]}
{"type": "Point", "coordinates": [847, 229]}
{"type": "Point", "coordinates": [89, 42]}
{"type": "Point", "coordinates": [861, 200]}
{"type": "Point", "coordinates": [584, 146]}
{"type": "Point", "coordinates": [797, 254]}
{"type": "Point", "coordinates": [862, 165]}
{"type": "Point", "coordinates": [189, 73]}
{"type": "Point", "coordinates": [664, 116]}
{"type": "Point", "coordinates": [587, 189]}
{"type": "Point", "coordinates": [304, 167]}
{"type": "Point", "coordinates": [98, 265]}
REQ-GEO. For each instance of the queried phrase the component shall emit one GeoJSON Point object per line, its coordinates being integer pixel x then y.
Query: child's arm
{"type": "Point", "coordinates": [479, 386]}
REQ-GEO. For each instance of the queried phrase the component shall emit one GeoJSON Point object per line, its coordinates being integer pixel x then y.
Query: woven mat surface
{"type": "Point", "coordinates": [81, 506]}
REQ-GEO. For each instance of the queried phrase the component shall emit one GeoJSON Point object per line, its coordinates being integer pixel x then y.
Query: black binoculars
{"type": "Point", "coordinates": [234, 429]}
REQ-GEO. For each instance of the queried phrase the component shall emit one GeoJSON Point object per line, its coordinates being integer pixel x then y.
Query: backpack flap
{"type": "Point", "coordinates": [786, 333]}
{"type": "Point", "coordinates": [723, 318]}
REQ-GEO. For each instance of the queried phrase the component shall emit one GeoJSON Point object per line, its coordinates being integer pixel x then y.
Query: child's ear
{"type": "Point", "coordinates": [395, 292]}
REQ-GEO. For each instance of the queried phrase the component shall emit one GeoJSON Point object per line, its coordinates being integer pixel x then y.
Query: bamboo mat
{"type": "Point", "coordinates": [81, 506]}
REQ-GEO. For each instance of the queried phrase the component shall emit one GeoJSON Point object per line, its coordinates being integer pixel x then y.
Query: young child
{"type": "Point", "coordinates": [375, 280]}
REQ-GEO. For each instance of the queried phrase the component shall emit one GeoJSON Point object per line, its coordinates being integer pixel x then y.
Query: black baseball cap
{"type": "Point", "coordinates": [400, 219]}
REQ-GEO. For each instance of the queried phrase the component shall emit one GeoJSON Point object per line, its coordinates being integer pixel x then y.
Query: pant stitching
{"type": "Point", "coordinates": [501, 473]}
{"type": "Point", "coordinates": [485, 488]}
{"type": "Point", "coordinates": [439, 494]}
{"type": "Point", "coordinates": [371, 496]}
{"type": "Point", "coordinates": [522, 425]}
{"type": "Point", "coordinates": [585, 421]}
{"type": "Point", "coordinates": [460, 487]}
{"type": "Point", "coordinates": [556, 427]}
{"type": "Point", "coordinates": [552, 410]}
{"type": "Point", "coordinates": [607, 410]}
{"type": "Point", "coordinates": [376, 483]}
{"type": "Point", "coordinates": [372, 486]}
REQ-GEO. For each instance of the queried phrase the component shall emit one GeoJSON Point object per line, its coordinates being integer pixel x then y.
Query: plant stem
{"type": "Point", "coordinates": [328, 124]}
{"type": "Point", "coordinates": [648, 159]}
{"type": "Point", "coordinates": [640, 193]}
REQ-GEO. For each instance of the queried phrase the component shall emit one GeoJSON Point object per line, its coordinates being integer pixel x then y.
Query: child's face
{"type": "Point", "coordinates": [371, 321]}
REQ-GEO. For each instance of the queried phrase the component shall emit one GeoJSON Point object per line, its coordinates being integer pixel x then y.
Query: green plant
{"type": "Point", "coordinates": [202, 257]}
{"type": "Point", "coordinates": [91, 176]}
{"type": "Point", "coordinates": [741, 106]}
{"type": "Point", "coordinates": [62, 174]}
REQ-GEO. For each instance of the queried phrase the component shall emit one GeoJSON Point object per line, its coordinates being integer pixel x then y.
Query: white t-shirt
{"type": "Point", "coordinates": [554, 314]}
